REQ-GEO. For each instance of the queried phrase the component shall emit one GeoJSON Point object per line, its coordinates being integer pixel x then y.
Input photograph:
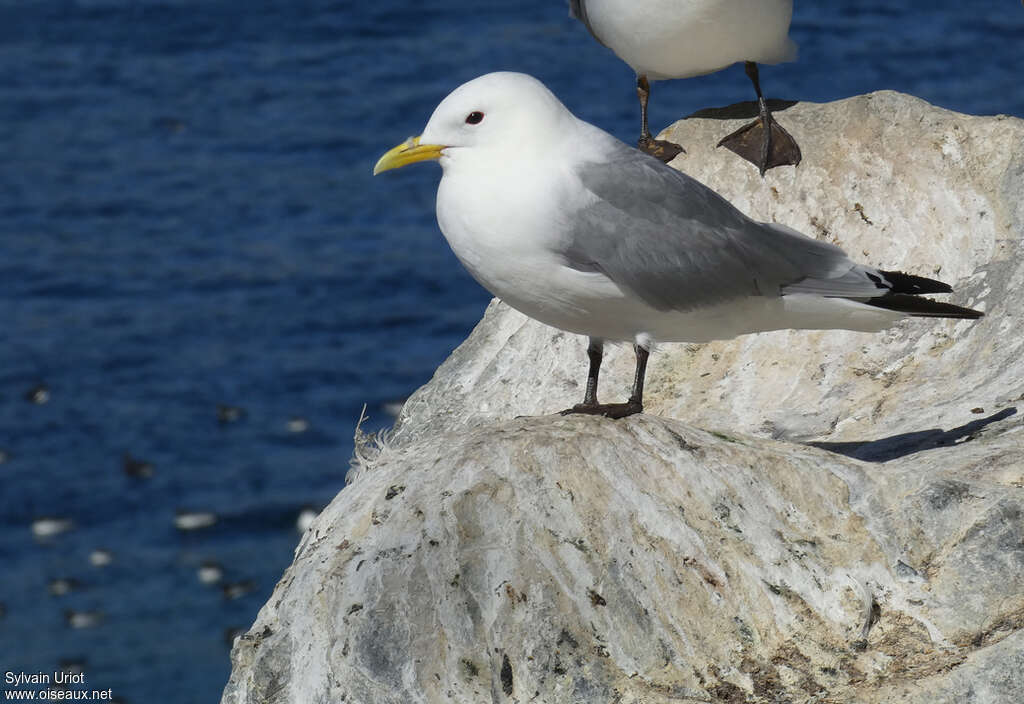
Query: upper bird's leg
{"type": "Point", "coordinates": [643, 91]}
{"type": "Point", "coordinates": [635, 404]}
{"type": "Point", "coordinates": [763, 142]}
{"type": "Point", "coordinates": [666, 151]}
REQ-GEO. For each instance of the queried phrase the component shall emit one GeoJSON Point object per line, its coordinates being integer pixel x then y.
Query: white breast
{"type": "Point", "coordinates": [504, 227]}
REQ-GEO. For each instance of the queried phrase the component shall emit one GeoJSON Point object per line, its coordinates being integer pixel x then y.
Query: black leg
{"type": "Point", "coordinates": [763, 142]}
{"type": "Point", "coordinates": [643, 91]}
{"type": "Point", "coordinates": [595, 353]}
{"type": "Point", "coordinates": [590, 405]}
{"type": "Point", "coordinates": [637, 397]}
{"type": "Point", "coordinates": [750, 68]}
{"type": "Point", "coordinates": [659, 148]}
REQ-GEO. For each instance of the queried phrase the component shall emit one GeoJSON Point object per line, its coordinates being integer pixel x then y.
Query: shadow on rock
{"type": "Point", "coordinates": [896, 446]}
{"type": "Point", "coordinates": [747, 110]}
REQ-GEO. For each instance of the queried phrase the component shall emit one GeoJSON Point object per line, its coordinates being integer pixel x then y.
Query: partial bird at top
{"type": "Point", "coordinates": [663, 39]}
{"type": "Point", "coordinates": [577, 230]}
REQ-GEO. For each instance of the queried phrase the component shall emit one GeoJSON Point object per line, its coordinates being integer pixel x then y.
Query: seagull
{"type": "Point", "coordinates": [38, 394]}
{"type": "Point", "coordinates": [297, 424]}
{"type": "Point", "coordinates": [683, 38]}
{"type": "Point", "coordinates": [63, 585]}
{"type": "Point", "coordinates": [49, 526]}
{"type": "Point", "coordinates": [136, 467]}
{"type": "Point", "coordinates": [193, 520]}
{"type": "Point", "coordinates": [100, 557]}
{"type": "Point", "coordinates": [210, 572]}
{"type": "Point", "coordinates": [83, 619]}
{"type": "Point", "coordinates": [227, 414]}
{"type": "Point", "coordinates": [575, 229]}
{"type": "Point", "coordinates": [237, 590]}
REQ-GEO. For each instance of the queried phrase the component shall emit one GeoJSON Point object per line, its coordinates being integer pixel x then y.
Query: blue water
{"type": "Point", "coordinates": [187, 219]}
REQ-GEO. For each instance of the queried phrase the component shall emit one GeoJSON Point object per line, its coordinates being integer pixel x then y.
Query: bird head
{"type": "Point", "coordinates": [498, 114]}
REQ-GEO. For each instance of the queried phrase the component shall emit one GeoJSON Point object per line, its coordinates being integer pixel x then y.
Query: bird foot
{"type": "Point", "coordinates": [659, 148]}
{"type": "Point", "coordinates": [608, 410]}
{"type": "Point", "coordinates": [763, 150]}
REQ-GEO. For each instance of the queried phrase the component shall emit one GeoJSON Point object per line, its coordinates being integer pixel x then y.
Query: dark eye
{"type": "Point", "coordinates": [474, 117]}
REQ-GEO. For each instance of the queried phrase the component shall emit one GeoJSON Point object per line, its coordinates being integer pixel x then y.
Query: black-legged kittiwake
{"type": "Point", "coordinates": [572, 227]}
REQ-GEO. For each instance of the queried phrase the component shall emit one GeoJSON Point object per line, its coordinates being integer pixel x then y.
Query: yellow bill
{"type": "Point", "coordinates": [408, 152]}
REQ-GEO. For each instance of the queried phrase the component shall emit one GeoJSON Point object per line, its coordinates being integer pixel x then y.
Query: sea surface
{"type": "Point", "coordinates": [204, 283]}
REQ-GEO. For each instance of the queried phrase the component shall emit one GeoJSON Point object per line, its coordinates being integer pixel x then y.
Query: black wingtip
{"type": "Point", "coordinates": [914, 285]}
{"type": "Point", "coordinates": [923, 307]}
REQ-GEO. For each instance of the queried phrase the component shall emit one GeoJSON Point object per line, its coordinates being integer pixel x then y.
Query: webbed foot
{"type": "Point", "coordinates": [660, 148]}
{"type": "Point", "coordinates": [765, 149]}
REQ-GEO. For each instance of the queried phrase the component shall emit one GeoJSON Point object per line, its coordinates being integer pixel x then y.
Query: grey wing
{"type": "Point", "coordinates": [678, 245]}
{"type": "Point", "coordinates": [578, 9]}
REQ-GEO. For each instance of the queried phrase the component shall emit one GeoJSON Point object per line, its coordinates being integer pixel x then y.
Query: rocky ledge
{"type": "Point", "coordinates": [798, 517]}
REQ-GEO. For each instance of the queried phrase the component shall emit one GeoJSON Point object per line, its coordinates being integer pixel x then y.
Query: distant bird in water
{"type": "Point", "coordinates": [49, 526]}
{"type": "Point", "coordinates": [297, 424]}
{"type": "Point", "coordinates": [38, 394]}
{"type": "Point", "coordinates": [236, 590]}
{"type": "Point", "coordinates": [227, 415]}
{"type": "Point", "coordinates": [210, 572]}
{"type": "Point", "coordinates": [63, 585]}
{"type": "Point", "coordinates": [4, 455]}
{"type": "Point", "coordinates": [194, 520]}
{"type": "Point", "coordinates": [135, 467]}
{"type": "Point", "coordinates": [662, 39]}
{"type": "Point", "coordinates": [100, 557]}
{"type": "Point", "coordinates": [83, 619]}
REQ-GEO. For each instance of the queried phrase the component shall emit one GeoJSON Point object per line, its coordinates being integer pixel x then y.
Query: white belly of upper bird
{"type": "Point", "coordinates": [504, 230]}
{"type": "Point", "coordinates": [682, 38]}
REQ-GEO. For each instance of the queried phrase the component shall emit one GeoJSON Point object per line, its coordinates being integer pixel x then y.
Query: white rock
{"type": "Point", "coordinates": [479, 556]}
